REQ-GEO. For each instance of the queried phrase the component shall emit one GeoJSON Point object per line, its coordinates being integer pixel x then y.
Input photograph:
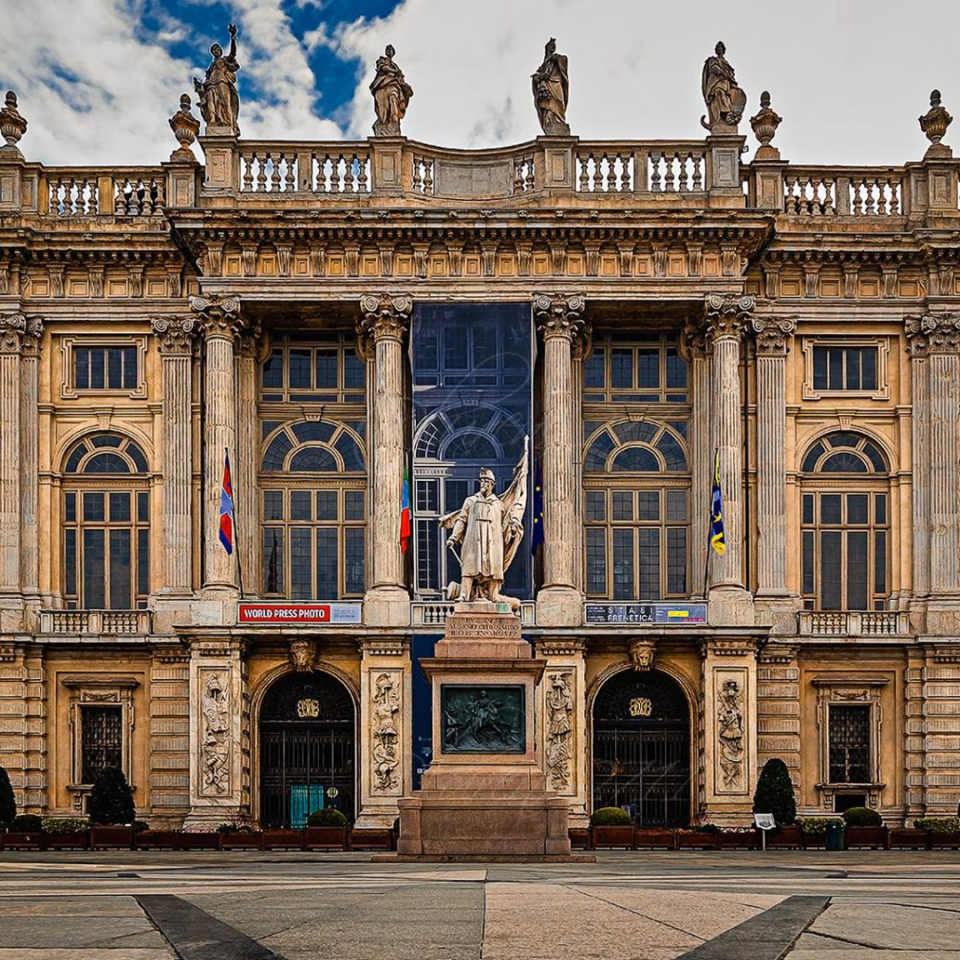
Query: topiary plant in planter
{"type": "Point", "coordinates": [8, 803]}
{"type": "Point", "coordinates": [610, 817]}
{"type": "Point", "coordinates": [26, 823]}
{"type": "Point", "coordinates": [111, 799]}
{"type": "Point", "coordinates": [774, 793]}
{"type": "Point", "coordinates": [862, 817]}
{"type": "Point", "coordinates": [327, 817]}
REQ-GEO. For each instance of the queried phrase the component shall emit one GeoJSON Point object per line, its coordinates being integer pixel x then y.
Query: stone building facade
{"type": "Point", "coordinates": [337, 315]}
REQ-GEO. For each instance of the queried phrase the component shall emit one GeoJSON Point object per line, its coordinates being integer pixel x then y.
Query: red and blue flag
{"type": "Point", "coordinates": [405, 524]}
{"type": "Point", "coordinates": [226, 507]}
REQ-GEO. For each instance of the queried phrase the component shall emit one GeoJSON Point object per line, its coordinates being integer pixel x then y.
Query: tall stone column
{"type": "Point", "coordinates": [248, 451]}
{"type": "Point", "coordinates": [29, 463]}
{"type": "Point", "coordinates": [695, 350]}
{"type": "Point", "coordinates": [13, 328]}
{"type": "Point", "coordinates": [773, 343]}
{"type": "Point", "coordinates": [175, 340]}
{"type": "Point", "coordinates": [384, 322]}
{"type": "Point", "coordinates": [561, 324]}
{"type": "Point", "coordinates": [920, 450]}
{"type": "Point", "coordinates": [221, 326]}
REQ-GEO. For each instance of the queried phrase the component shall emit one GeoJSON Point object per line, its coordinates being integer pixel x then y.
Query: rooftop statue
{"type": "Point", "coordinates": [391, 95]}
{"type": "Point", "coordinates": [724, 99]}
{"type": "Point", "coordinates": [217, 93]}
{"type": "Point", "coordinates": [551, 91]}
{"type": "Point", "coordinates": [490, 529]}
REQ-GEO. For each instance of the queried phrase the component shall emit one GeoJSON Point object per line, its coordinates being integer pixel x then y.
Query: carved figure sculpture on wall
{"type": "Point", "coordinates": [730, 732]}
{"type": "Point", "coordinates": [643, 653]}
{"type": "Point", "coordinates": [724, 99]}
{"type": "Point", "coordinates": [386, 703]}
{"type": "Point", "coordinates": [217, 93]}
{"type": "Point", "coordinates": [391, 95]}
{"type": "Point", "coordinates": [551, 91]}
{"type": "Point", "coordinates": [559, 732]}
{"type": "Point", "coordinates": [303, 654]}
{"type": "Point", "coordinates": [490, 529]}
{"type": "Point", "coordinates": [215, 734]}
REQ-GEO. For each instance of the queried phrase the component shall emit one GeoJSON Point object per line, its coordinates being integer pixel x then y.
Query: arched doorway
{"type": "Point", "coordinates": [307, 749]}
{"type": "Point", "coordinates": [641, 748]}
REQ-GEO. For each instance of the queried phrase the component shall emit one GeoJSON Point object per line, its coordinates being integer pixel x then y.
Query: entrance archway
{"type": "Point", "coordinates": [307, 749]}
{"type": "Point", "coordinates": [641, 748]}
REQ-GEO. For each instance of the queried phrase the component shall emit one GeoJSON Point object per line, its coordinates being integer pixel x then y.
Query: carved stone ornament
{"type": "Point", "coordinates": [559, 705]}
{"type": "Point", "coordinates": [560, 315]}
{"type": "Point", "coordinates": [726, 315]}
{"type": "Point", "coordinates": [215, 734]}
{"type": "Point", "coordinates": [13, 329]}
{"type": "Point", "coordinates": [175, 335]}
{"type": "Point", "coordinates": [303, 655]}
{"type": "Point", "coordinates": [933, 333]}
{"type": "Point", "coordinates": [384, 733]}
{"type": "Point", "coordinates": [551, 91]}
{"type": "Point", "coordinates": [12, 125]}
{"type": "Point", "coordinates": [185, 127]}
{"type": "Point", "coordinates": [219, 316]}
{"type": "Point", "coordinates": [217, 92]}
{"type": "Point", "coordinates": [383, 317]}
{"type": "Point", "coordinates": [730, 733]}
{"type": "Point", "coordinates": [773, 334]}
{"type": "Point", "coordinates": [642, 654]}
{"type": "Point", "coordinates": [725, 101]}
{"type": "Point", "coordinates": [391, 95]}
{"type": "Point", "coordinates": [934, 124]}
{"type": "Point", "coordinates": [765, 122]}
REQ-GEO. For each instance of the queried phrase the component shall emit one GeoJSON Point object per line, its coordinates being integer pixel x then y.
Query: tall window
{"type": "Point", "coordinates": [635, 368]}
{"type": "Point", "coordinates": [849, 743]}
{"type": "Point", "coordinates": [101, 740]}
{"type": "Point", "coordinates": [106, 525]}
{"type": "Point", "coordinates": [313, 368]}
{"type": "Point", "coordinates": [845, 524]}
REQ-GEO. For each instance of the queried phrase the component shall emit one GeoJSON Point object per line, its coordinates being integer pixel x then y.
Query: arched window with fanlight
{"type": "Point", "coordinates": [637, 510]}
{"type": "Point", "coordinates": [313, 482]}
{"type": "Point", "coordinates": [106, 525]}
{"type": "Point", "coordinates": [845, 524]}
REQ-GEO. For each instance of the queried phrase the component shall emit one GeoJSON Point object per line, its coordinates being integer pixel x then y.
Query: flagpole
{"type": "Point", "coordinates": [236, 526]}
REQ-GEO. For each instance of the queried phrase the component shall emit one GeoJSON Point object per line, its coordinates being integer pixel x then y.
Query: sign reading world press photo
{"type": "Point", "coordinates": [300, 613]}
{"type": "Point", "coordinates": [660, 613]}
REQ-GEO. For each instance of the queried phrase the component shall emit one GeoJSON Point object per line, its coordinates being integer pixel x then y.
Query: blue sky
{"type": "Point", "coordinates": [98, 79]}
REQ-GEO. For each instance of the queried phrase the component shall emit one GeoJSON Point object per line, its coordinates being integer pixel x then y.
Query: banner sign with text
{"type": "Point", "coordinates": [315, 613]}
{"type": "Point", "coordinates": [663, 613]}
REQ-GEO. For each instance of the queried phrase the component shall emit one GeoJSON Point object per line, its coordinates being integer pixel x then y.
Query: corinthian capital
{"type": "Point", "coordinates": [13, 330]}
{"type": "Point", "coordinates": [725, 316]}
{"type": "Point", "coordinates": [218, 316]}
{"type": "Point", "coordinates": [773, 335]}
{"type": "Point", "coordinates": [383, 316]}
{"type": "Point", "coordinates": [175, 335]}
{"type": "Point", "coordinates": [560, 315]}
{"type": "Point", "coordinates": [933, 333]}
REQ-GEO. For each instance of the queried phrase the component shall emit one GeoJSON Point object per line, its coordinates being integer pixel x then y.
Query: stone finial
{"type": "Point", "coordinates": [185, 127]}
{"type": "Point", "coordinates": [765, 123]}
{"type": "Point", "coordinates": [934, 124]}
{"type": "Point", "coordinates": [12, 125]}
{"type": "Point", "coordinates": [725, 101]}
{"type": "Point", "coordinates": [391, 95]}
{"type": "Point", "coordinates": [551, 91]}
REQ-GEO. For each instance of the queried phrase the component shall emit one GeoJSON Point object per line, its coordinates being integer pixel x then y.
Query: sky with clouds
{"type": "Point", "coordinates": [97, 79]}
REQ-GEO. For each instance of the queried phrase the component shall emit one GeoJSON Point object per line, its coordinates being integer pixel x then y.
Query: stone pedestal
{"type": "Point", "coordinates": [484, 796]}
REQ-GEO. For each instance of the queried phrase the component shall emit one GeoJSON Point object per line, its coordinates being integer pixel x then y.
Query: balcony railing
{"type": "Point", "coordinates": [427, 613]}
{"type": "Point", "coordinates": [853, 623]}
{"type": "Point", "coordinates": [844, 191]}
{"type": "Point", "coordinates": [96, 622]}
{"type": "Point", "coordinates": [91, 191]}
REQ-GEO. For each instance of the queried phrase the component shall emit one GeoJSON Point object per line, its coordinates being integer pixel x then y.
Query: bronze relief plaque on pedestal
{"type": "Point", "coordinates": [482, 718]}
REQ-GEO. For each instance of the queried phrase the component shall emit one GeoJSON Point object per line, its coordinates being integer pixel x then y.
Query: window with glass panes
{"type": "Point", "coordinates": [635, 368]}
{"type": "Point", "coordinates": [849, 739]}
{"type": "Point", "coordinates": [106, 525]}
{"type": "Point", "coordinates": [837, 367]}
{"type": "Point", "coordinates": [313, 492]}
{"type": "Point", "coordinates": [845, 525]}
{"type": "Point", "coordinates": [102, 367]}
{"type": "Point", "coordinates": [101, 741]}
{"type": "Point", "coordinates": [313, 368]}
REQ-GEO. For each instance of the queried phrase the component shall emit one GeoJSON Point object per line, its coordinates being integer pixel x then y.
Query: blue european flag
{"type": "Point", "coordinates": [717, 540]}
{"type": "Point", "coordinates": [537, 537]}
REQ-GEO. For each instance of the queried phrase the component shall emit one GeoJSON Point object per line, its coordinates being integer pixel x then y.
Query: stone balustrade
{"type": "Point", "coordinates": [93, 191]}
{"type": "Point", "coordinates": [844, 191]}
{"type": "Point", "coordinates": [321, 169]}
{"type": "Point", "coordinates": [426, 613]}
{"type": "Point", "coordinates": [852, 623]}
{"type": "Point", "coordinates": [96, 622]}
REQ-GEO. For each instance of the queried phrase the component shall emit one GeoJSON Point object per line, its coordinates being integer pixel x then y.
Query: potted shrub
{"type": "Point", "coordinates": [238, 836]}
{"type": "Point", "coordinates": [65, 833]}
{"type": "Point", "coordinates": [774, 794]}
{"type": "Point", "coordinates": [8, 802]}
{"type": "Point", "coordinates": [814, 830]}
{"type": "Point", "coordinates": [111, 810]}
{"type": "Point", "coordinates": [611, 827]}
{"type": "Point", "coordinates": [703, 837]}
{"type": "Point", "coordinates": [24, 832]}
{"type": "Point", "coordinates": [864, 828]}
{"type": "Point", "coordinates": [943, 832]}
{"type": "Point", "coordinates": [327, 830]}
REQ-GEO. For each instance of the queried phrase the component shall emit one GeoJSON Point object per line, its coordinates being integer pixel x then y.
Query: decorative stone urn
{"type": "Point", "coordinates": [12, 125]}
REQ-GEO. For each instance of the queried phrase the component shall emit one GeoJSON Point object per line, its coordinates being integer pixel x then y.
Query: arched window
{"type": "Point", "coordinates": [845, 516]}
{"type": "Point", "coordinates": [637, 519]}
{"type": "Point", "coordinates": [106, 524]}
{"type": "Point", "coordinates": [313, 484]}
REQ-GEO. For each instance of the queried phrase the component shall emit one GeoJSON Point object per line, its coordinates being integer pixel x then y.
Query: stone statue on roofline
{"type": "Point", "coordinates": [488, 529]}
{"type": "Point", "coordinates": [391, 95]}
{"type": "Point", "coordinates": [217, 92]}
{"type": "Point", "coordinates": [724, 99]}
{"type": "Point", "coordinates": [551, 91]}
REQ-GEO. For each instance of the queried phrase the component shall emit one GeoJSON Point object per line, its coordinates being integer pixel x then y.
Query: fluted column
{"type": "Point", "coordinates": [773, 343]}
{"type": "Point", "coordinates": [29, 459]}
{"type": "Point", "coordinates": [696, 353]}
{"type": "Point", "coordinates": [726, 317]}
{"type": "Point", "coordinates": [247, 507]}
{"type": "Point", "coordinates": [382, 327]}
{"type": "Point", "coordinates": [221, 326]}
{"type": "Point", "coordinates": [175, 340]}
{"type": "Point", "coordinates": [13, 328]}
{"type": "Point", "coordinates": [561, 324]}
{"type": "Point", "coordinates": [920, 430]}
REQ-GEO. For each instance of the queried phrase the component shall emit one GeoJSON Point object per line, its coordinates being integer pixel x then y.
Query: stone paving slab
{"type": "Point", "coordinates": [21, 953]}
{"type": "Point", "coordinates": [80, 932]}
{"type": "Point", "coordinates": [93, 906]}
{"type": "Point", "coordinates": [890, 926]}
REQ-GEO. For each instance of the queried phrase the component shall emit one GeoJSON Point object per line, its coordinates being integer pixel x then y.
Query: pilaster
{"type": "Point", "coordinates": [13, 330]}
{"type": "Point", "coordinates": [247, 461]}
{"type": "Point", "coordinates": [29, 470]}
{"type": "Point", "coordinates": [778, 706]}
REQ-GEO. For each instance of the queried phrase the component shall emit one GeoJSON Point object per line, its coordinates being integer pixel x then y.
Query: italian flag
{"type": "Point", "coordinates": [405, 513]}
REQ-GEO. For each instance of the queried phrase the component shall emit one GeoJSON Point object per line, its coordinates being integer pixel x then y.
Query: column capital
{"type": "Point", "coordinates": [773, 335]}
{"type": "Point", "coordinates": [13, 330]}
{"type": "Point", "coordinates": [561, 315]}
{"type": "Point", "coordinates": [932, 333]}
{"type": "Point", "coordinates": [219, 317]}
{"type": "Point", "coordinates": [175, 335]}
{"type": "Point", "coordinates": [384, 316]}
{"type": "Point", "coordinates": [694, 343]}
{"type": "Point", "coordinates": [725, 316]}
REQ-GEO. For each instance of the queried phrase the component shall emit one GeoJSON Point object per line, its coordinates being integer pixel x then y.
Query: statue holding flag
{"type": "Point", "coordinates": [490, 529]}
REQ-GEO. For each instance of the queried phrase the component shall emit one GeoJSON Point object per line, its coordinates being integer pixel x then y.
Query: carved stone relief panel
{"type": "Point", "coordinates": [215, 746]}
{"type": "Point", "coordinates": [386, 693]}
{"type": "Point", "coordinates": [559, 729]}
{"type": "Point", "coordinates": [730, 767]}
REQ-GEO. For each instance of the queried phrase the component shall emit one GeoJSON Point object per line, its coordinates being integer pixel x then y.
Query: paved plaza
{"type": "Point", "coordinates": [627, 906]}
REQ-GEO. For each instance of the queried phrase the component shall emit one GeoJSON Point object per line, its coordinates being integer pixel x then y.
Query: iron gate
{"type": "Point", "coordinates": [307, 749]}
{"type": "Point", "coordinates": [641, 749]}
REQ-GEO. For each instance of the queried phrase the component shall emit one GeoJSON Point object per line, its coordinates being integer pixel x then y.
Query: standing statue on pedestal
{"type": "Point", "coordinates": [724, 99]}
{"type": "Point", "coordinates": [391, 95]}
{"type": "Point", "coordinates": [551, 91]}
{"type": "Point", "coordinates": [219, 101]}
{"type": "Point", "coordinates": [490, 529]}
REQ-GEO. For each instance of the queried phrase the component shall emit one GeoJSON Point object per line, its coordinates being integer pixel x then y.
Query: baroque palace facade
{"type": "Point", "coordinates": [335, 315]}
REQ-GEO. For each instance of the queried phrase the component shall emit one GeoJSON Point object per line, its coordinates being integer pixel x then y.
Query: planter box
{"type": "Point", "coordinates": [67, 841]}
{"type": "Point", "coordinates": [156, 840]}
{"type": "Point", "coordinates": [284, 839]}
{"type": "Point", "coordinates": [328, 838]}
{"type": "Point", "coordinates": [739, 840]}
{"type": "Point", "coordinates": [610, 837]}
{"type": "Point", "coordinates": [198, 841]}
{"type": "Point", "coordinates": [903, 838]}
{"type": "Point", "coordinates": [656, 838]}
{"type": "Point", "coordinates": [789, 838]}
{"type": "Point", "coordinates": [579, 838]}
{"type": "Point", "coordinates": [698, 840]}
{"type": "Point", "coordinates": [362, 839]}
{"type": "Point", "coordinates": [814, 841]}
{"type": "Point", "coordinates": [119, 838]}
{"type": "Point", "coordinates": [241, 841]}
{"type": "Point", "coordinates": [944, 841]}
{"type": "Point", "coordinates": [873, 837]}
{"type": "Point", "coordinates": [23, 841]}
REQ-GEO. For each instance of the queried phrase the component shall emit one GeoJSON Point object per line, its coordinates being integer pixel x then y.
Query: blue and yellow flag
{"type": "Point", "coordinates": [717, 540]}
{"type": "Point", "coordinates": [537, 537]}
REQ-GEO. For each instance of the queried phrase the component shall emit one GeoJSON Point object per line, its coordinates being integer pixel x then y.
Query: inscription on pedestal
{"type": "Point", "coordinates": [490, 626]}
{"type": "Point", "coordinates": [482, 718]}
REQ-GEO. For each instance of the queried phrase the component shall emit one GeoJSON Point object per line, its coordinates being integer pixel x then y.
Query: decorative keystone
{"type": "Point", "coordinates": [934, 124]}
{"type": "Point", "coordinates": [12, 125]}
{"type": "Point", "coordinates": [185, 127]}
{"type": "Point", "coordinates": [765, 123]}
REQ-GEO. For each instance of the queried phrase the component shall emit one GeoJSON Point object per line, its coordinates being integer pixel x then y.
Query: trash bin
{"type": "Point", "coordinates": [834, 835]}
